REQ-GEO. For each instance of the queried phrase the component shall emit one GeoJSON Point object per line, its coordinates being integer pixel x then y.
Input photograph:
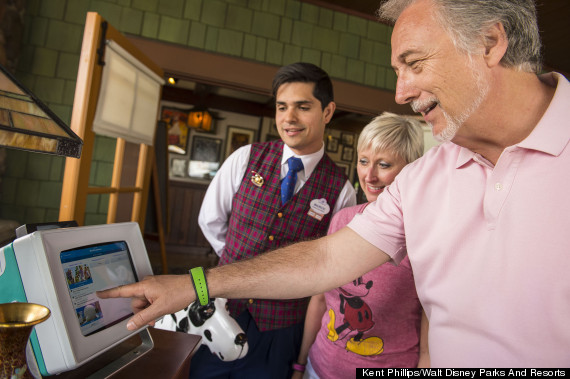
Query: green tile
{"type": "Point", "coordinates": [266, 25]}
{"type": "Point", "coordinates": [302, 33]}
{"type": "Point", "coordinates": [274, 6]}
{"type": "Point", "coordinates": [312, 56]}
{"type": "Point", "coordinates": [28, 192]}
{"type": "Point", "coordinates": [340, 22]}
{"type": "Point", "coordinates": [197, 35]}
{"type": "Point", "coordinates": [104, 204]}
{"type": "Point", "coordinates": [38, 167]}
{"type": "Point", "coordinates": [193, 9]}
{"type": "Point", "coordinates": [230, 42]}
{"type": "Point", "coordinates": [291, 54]}
{"type": "Point", "coordinates": [390, 29]}
{"type": "Point", "coordinates": [76, 12]}
{"type": "Point", "coordinates": [377, 31]}
{"type": "Point", "coordinates": [92, 203]}
{"type": "Point", "coordinates": [211, 38]}
{"type": "Point", "coordinates": [173, 30]}
{"type": "Point", "coordinates": [25, 64]}
{"type": "Point", "coordinates": [370, 74]}
{"type": "Point", "coordinates": [67, 66]}
{"type": "Point", "coordinates": [150, 26]}
{"type": "Point", "coordinates": [52, 9]}
{"type": "Point", "coordinates": [110, 12]}
{"type": "Point", "coordinates": [15, 162]}
{"type": "Point", "coordinates": [69, 92]}
{"type": "Point", "coordinates": [49, 89]}
{"type": "Point", "coordinates": [326, 40]}
{"type": "Point", "coordinates": [131, 21]}
{"type": "Point", "coordinates": [173, 8]}
{"type": "Point", "coordinates": [92, 171]}
{"type": "Point", "coordinates": [52, 214]}
{"type": "Point", "coordinates": [349, 45]}
{"type": "Point", "coordinates": [45, 62]}
{"type": "Point", "coordinates": [382, 54]}
{"type": "Point", "coordinates": [33, 7]}
{"type": "Point", "coordinates": [239, 18]}
{"type": "Point", "coordinates": [355, 70]}
{"type": "Point", "coordinates": [242, 3]}
{"type": "Point", "coordinates": [366, 51]}
{"type": "Point", "coordinates": [35, 215]}
{"type": "Point", "coordinates": [8, 192]}
{"type": "Point", "coordinates": [214, 13]}
{"type": "Point", "coordinates": [293, 9]}
{"type": "Point", "coordinates": [62, 36]}
{"type": "Point", "coordinates": [95, 219]}
{"type": "Point", "coordinates": [310, 13]}
{"type": "Point", "coordinates": [380, 77]}
{"type": "Point", "coordinates": [62, 111]}
{"type": "Point", "coordinates": [256, 4]}
{"type": "Point", "coordinates": [338, 67]}
{"type": "Point", "coordinates": [326, 17]}
{"type": "Point", "coordinates": [50, 194]}
{"type": "Point", "coordinates": [260, 49]}
{"type": "Point", "coordinates": [274, 52]}
{"type": "Point", "coordinates": [391, 79]}
{"type": "Point", "coordinates": [145, 5]}
{"type": "Point", "coordinates": [57, 168]}
{"type": "Point", "coordinates": [286, 30]}
{"type": "Point", "coordinates": [104, 174]}
{"type": "Point", "coordinates": [357, 25]}
{"type": "Point", "coordinates": [104, 149]}
{"type": "Point", "coordinates": [249, 46]}
{"type": "Point", "coordinates": [326, 61]}
{"type": "Point", "coordinates": [38, 31]}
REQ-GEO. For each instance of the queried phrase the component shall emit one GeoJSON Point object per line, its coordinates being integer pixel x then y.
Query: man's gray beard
{"type": "Point", "coordinates": [454, 123]}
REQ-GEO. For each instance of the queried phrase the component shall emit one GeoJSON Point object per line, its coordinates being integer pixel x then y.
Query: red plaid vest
{"type": "Point", "coordinates": [259, 223]}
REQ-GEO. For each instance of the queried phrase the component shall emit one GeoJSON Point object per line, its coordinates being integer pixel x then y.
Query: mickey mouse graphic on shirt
{"type": "Point", "coordinates": [357, 317]}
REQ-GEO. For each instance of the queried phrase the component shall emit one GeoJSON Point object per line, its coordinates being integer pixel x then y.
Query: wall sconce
{"type": "Point", "coordinates": [172, 80]}
{"type": "Point", "coordinates": [200, 119]}
{"type": "Point", "coordinates": [28, 124]}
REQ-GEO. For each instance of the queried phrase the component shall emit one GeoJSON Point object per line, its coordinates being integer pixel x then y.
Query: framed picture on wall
{"type": "Point", "coordinates": [347, 139]}
{"type": "Point", "coordinates": [178, 167]}
{"type": "Point", "coordinates": [204, 157]}
{"type": "Point", "coordinates": [345, 166]}
{"type": "Point", "coordinates": [347, 153]}
{"type": "Point", "coordinates": [177, 125]}
{"type": "Point", "coordinates": [332, 144]}
{"type": "Point", "coordinates": [237, 137]}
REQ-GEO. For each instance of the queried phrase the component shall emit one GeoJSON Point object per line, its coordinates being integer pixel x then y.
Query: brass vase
{"type": "Point", "coordinates": [16, 323]}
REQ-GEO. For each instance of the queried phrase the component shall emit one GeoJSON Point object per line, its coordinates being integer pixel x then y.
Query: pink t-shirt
{"type": "Point", "coordinates": [490, 246]}
{"type": "Point", "coordinates": [374, 321]}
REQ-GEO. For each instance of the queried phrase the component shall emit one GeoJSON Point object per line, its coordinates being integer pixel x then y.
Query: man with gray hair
{"type": "Point", "coordinates": [483, 217]}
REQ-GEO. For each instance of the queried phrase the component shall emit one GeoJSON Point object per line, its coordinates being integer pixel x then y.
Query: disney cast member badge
{"type": "Point", "coordinates": [319, 208]}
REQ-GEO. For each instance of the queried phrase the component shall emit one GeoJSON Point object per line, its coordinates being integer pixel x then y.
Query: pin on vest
{"type": "Point", "coordinates": [219, 331]}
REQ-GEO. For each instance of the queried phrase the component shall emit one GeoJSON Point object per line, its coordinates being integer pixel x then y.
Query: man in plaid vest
{"type": "Point", "coordinates": [247, 211]}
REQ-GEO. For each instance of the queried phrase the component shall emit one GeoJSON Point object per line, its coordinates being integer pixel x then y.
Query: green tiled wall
{"type": "Point", "coordinates": [276, 32]}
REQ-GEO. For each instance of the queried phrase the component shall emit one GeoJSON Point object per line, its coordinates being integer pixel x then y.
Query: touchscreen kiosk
{"type": "Point", "coordinates": [62, 269]}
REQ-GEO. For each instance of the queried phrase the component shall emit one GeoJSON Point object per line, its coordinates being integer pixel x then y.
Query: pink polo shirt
{"type": "Point", "coordinates": [489, 246]}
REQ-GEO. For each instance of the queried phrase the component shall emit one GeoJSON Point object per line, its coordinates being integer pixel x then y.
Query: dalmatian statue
{"type": "Point", "coordinates": [219, 331]}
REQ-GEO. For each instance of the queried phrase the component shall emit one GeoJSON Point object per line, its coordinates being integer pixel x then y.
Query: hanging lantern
{"type": "Point", "coordinates": [200, 119]}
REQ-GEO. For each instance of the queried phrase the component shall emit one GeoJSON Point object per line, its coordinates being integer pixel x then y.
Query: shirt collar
{"type": "Point", "coordinates": [552, 133]}
{"type": "Point", "coordinates": [310, 161]}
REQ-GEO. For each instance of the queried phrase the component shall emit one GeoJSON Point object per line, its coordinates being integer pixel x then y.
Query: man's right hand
{"type": "Point", "coordinates": [154, 297]}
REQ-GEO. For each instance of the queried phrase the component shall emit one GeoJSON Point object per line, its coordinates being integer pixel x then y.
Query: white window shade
{"type": "Point", "coordinates": [129, 98]}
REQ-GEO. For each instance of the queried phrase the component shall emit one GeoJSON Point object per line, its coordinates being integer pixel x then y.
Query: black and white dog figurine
{"type": "Point", "coordinates": [219, 331]}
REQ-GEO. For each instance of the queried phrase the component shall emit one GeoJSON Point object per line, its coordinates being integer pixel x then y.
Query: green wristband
{"type": "Point", "coordinates": [200, 285]}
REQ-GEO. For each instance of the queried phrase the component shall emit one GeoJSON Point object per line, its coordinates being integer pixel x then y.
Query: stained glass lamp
{"type": "Point", "coordinates": [28, 124]}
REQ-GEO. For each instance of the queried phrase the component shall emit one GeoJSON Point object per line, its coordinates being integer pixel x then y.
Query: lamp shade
{"type": "Point", "coordinates": [200, 119]}
{"type": "Point", "coordinates": [28, 124]}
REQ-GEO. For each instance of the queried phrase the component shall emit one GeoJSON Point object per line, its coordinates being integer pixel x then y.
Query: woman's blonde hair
{"type": "Point", "coordinates": [402, 135]}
